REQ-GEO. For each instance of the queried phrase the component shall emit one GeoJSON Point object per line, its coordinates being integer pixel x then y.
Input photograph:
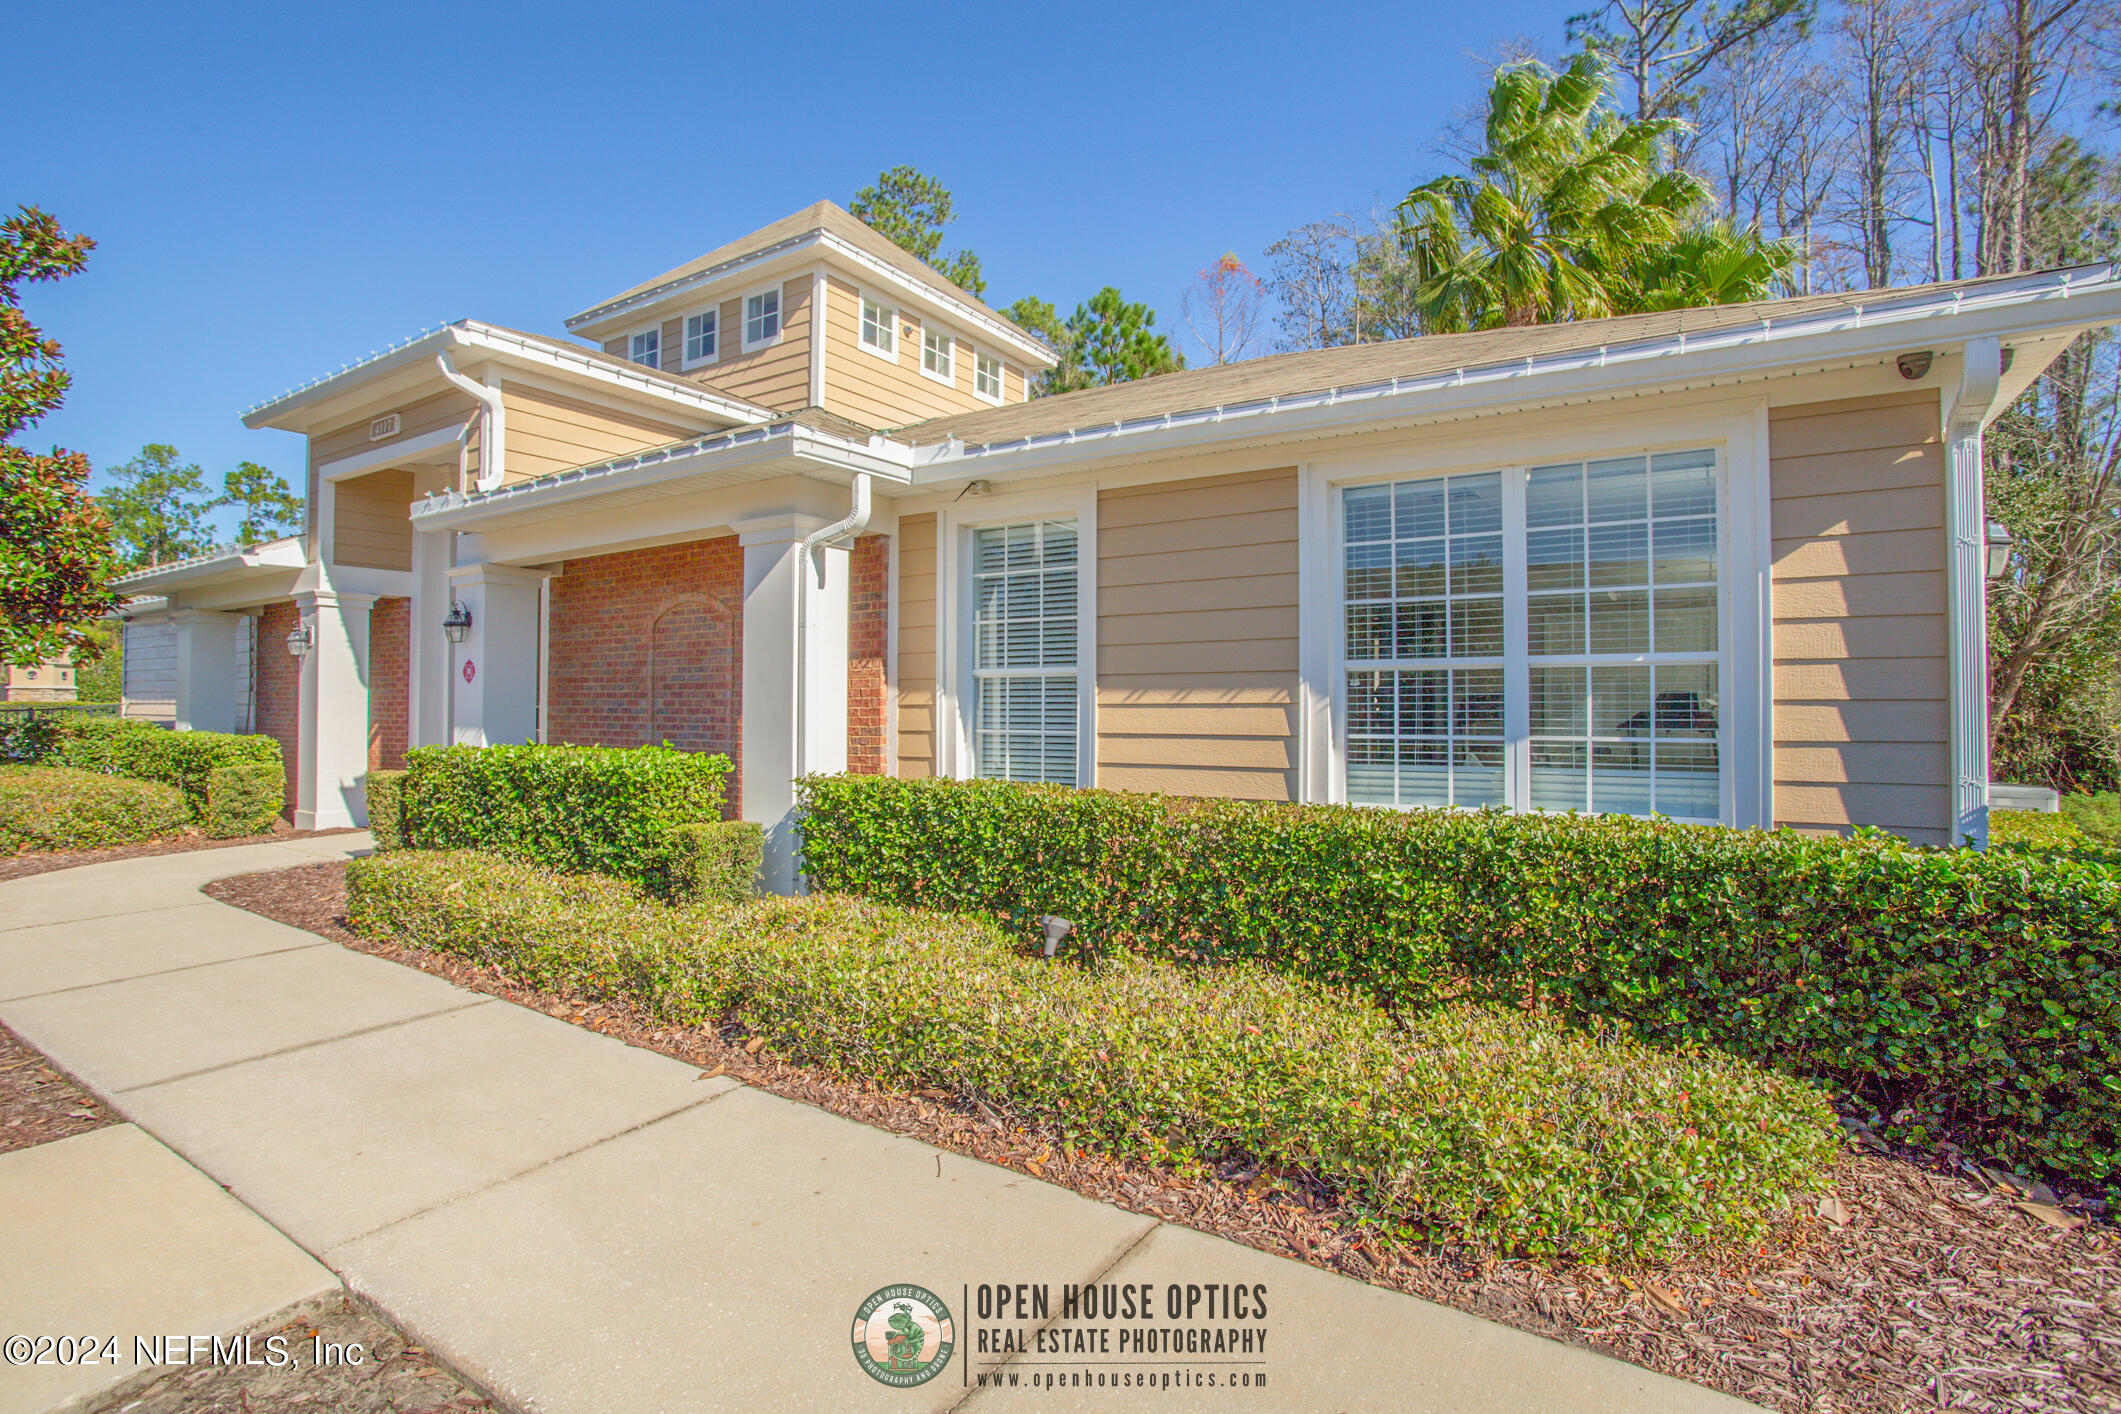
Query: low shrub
{"type": "Point", "coordinates": [2036, 829]}
{"type": "Point", "coordinates": [243, 800]}
{"type": "Point", "coordinates": [718, 862]}
{"type": "Point", "coordinates": [55, 808]}
{"type": "Point", "coordinates": [26, 737]}
{"type": "Point", "coordinates": [1480, 1123]}
{"type": "Point", "coordinates": [586, 809]}
{"type": "Point", "coordinates": [187, 760]}
{"type": "Point", "coordinates": [385, 792]}
{"type": "Point", "coordinates": [1978, 991]}
{"type": "Point", "coordinates": [2098, 816]}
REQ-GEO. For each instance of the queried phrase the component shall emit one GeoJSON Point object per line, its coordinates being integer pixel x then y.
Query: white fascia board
{"type": "Point", "coordinates": [225, 563]}
{"type": "Point", "coordinates": [753, 453]}
{"type": "Point", "coordinates": [605, 318]}
{"type": "Point", "coordinates": [506, 347]}
{"type": "Point", "coordinates": [392, 453]}
{"type": "Point", "coordinates": [1865, 333]}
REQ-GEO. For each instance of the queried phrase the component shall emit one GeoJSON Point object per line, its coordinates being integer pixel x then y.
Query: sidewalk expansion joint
{"type": "Point", "coordinates": [164, 972]}
{"type": "Point", "coordinates": [309, 1045]}
{"type": "Point", "coordinates": [524, 1172]}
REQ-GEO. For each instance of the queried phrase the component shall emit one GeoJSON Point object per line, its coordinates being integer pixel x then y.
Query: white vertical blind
{"type": "Point", "coordinates": [1025, 663]}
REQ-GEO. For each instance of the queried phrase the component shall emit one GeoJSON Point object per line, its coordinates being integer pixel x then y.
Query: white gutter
{"type": "Point", "coordinates": [1972, 406]}
{"type": "Point", "coordinates": [492, 463]}
{"type": "Point", "coordinates": [852, 524]}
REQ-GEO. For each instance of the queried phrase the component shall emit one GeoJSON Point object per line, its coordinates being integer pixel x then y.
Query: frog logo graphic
{"type": "Point", "coordinates": [903, 1336]}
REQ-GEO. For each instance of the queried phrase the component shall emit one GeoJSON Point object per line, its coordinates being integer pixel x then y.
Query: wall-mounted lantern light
{"type": "Point", "coordinates": [298, 639]}
{"type": "Point", "coordinates": [1999, 550]}
{"type": "Point", "coordinates": [457, 622]}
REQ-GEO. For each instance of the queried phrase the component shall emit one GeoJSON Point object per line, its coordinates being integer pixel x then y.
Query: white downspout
{"type": "Point", "coordinates": [1970, 407]}
{"type": "Point", "coordinates": [490, 462]}
{"type": "Point", "coordinates": [852, 524]}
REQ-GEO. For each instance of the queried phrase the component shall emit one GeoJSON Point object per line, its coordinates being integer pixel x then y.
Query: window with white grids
{"type": "Point", "coordinates": [700, 336]}
{"type": "Point", "coordinates": [938, 354]}
{"type": "Point", "coordinates": [762, 318]}
{"type": "Point", "coordinates": [1592, 586]}
{"type": "Point", "coordinates": [987, 377]}
{"type": "Point", "coordinates": [647, 348]}
{"type": "Point", "coordinates": [879, 328]}
{"type": "Point", "coordinates": [1025, 660]}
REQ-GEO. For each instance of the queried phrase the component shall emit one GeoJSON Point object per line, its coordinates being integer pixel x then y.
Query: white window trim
{"type": "Point", "coordinates": [1001, 370]}
{"type": "Point", "coordinates": [1737, 432]}
{"type": "Point", "coordinates": [949, 381]}
{"type": "Point", "coordinates": [780, 319]}
{"type": "Point", "coordinates": [685, 337]}
{"type": "Point", "coordinates": [661, 363]}
{"type": "Point", "coordinates": [890, 319]}
{"type": "Point", "coordinates": [953, 629]}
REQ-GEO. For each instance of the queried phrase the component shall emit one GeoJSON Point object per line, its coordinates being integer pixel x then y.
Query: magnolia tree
{"type": "Point", "coordinates": [55, 550]}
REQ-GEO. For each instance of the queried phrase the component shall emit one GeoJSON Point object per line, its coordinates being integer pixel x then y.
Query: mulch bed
{"type": "Point", "coordinates": [21, 866]}
{"type": "Point", "coordinates": [37, 1103]}
{"type": "Point", "coordinates": [1920, 1284]}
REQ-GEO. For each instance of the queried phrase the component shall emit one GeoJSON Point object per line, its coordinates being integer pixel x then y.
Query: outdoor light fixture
{"type": "Point", "coordinates": [1999, 549]}
{"type": "Point", "coordinates": [1057, 931]}
{"type": "Point", "coordinates": [457, 622]}
{"type": "Point", "coordinates": [298, 639]}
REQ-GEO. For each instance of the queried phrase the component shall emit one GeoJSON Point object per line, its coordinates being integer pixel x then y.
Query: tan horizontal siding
{"type": "Point", "coordinates": [415, 419]}
{"type": "Point", "coordinates": [1197, 637]}
{"type": "Point", "coordinates": [548, 432]}
{"type": "Point", "coordinates": [916, 666]}
{"type": "Point", "coordinates": [1862, 717]}
{"type": "Point", "coordinates": [861, 385]}
{"type": "Point", "coordinates": [371, 523]}
{"type": "Point", "coordinates": [776, 376]}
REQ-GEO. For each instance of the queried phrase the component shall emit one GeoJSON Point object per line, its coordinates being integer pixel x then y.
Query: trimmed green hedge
{"type": "Point", "coordinates": [586, 809]}
{"type": "Point", "coordinates": [2034, 829]}
{"type": "Point", "coordinates": [56, 808]}
{"type": "Point", "coordinates": [718, 862]}
{"type": "Point", "coordinates": [385, 792]}
{"type": "Point", "coordinates": [187, 760]}
{"type": "Point", "coordinates": [243, 800]}
{"type": "Point", "coordinates": [1479, 1123]}
{"type": "Point", "coordinates": [1980, 991]}
{"type": "Point", "coordinates": [2098, 816]}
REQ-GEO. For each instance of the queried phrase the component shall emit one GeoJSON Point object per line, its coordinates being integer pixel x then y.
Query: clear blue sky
{"type": "Point", "coordinates": [277, 189]}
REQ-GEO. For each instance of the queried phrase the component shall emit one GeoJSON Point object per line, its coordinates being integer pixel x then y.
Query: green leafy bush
{"type": "Point", "coordinates": [718, 862]}
{"type": "Point", "coordinates": [1980, 991]}
{"type": "Point", "coordinates": [26, 737]}
{"type": "Point", "coordinates": [147, 752]}
{"type": "Point", "coordinates": [2034, 828]}
{"type": "Point", "coordinates": [385, 791]}
{"type": "Point", "coordinates": [1481, 1123]}
{"type": "Point", "coordinates": [2098, 816]}
{"type": "Point", "coordinates": [54, 808]}
{"type": "Point", "coordinates": [588, 809]}
{"type": "Point", "coordinates": [243, 800]}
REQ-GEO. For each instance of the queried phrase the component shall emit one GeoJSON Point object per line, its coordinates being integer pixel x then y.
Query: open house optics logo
{"type": "Point", "coordinates": [903, 1336]}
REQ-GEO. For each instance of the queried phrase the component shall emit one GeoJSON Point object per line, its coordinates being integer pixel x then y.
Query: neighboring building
{"type": "Point", "coordinates": [49, 681]}
{"type": "Point", "coordinates": [794, 505]}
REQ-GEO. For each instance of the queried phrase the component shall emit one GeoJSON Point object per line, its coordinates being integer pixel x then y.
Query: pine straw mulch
{"type": "Point", "coordinates": [1918, 1285]}
{"type": "Point", "coordinates": [21, 866]}
{"type": "Point", "coordinates": [37, 1102]}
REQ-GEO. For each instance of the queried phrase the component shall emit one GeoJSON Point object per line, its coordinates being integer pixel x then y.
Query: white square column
{"type": "Point", "coordinates": [427, 651]}
{"type": "Point", "coordinates": [494, 671]}
{"type": "Point", "coordinates": [332, 758]}
{"type": "Point", "coordinates": [206, 698]}
{"type": "Point", "coordinates": [795, 678]}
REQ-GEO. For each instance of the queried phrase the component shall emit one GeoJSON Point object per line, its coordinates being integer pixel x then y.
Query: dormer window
{"type": "Point", "coordinates": [701, 336]}
{"type": "Point", "coordinates": [879, 328]}
{"type": "Point", "coordinates": [762, 318]}
{"type": "Point", "coordinates": [938, 354]}
{"type": "Point", "coordinates": [647, 348]}
{"type": "Point", "coordinates": [987, 377]}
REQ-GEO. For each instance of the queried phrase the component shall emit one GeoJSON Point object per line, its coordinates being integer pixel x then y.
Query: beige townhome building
{"type": "Point", "coordinates": [794, 501]}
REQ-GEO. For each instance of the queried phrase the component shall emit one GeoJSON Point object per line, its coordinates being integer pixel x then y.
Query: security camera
{"type": "Point", "coordinates": [1915, 365]}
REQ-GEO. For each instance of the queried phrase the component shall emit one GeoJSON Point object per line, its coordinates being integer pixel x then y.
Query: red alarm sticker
{"type": "Point", "coordinates": [470, 671]}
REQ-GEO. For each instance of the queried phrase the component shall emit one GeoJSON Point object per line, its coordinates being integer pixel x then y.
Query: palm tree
{"type": "Point", "coordinates": [1715, 262]}
{"type": "Point", "coordinates": [1571, 212]}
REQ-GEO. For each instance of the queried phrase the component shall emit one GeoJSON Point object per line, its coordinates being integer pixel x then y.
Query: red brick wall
{"type": "Point", "coordinates": [868, 639]}
{"type": "Point", "coordinates": [647, 646]}
{"type": "Point", "coordinates": [279, 680]}
{"type": "Point", "coordinates": [389, 679]}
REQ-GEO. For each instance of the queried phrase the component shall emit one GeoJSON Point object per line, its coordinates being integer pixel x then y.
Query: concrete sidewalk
{"type": "Point", "coordinates": [581, 1226]}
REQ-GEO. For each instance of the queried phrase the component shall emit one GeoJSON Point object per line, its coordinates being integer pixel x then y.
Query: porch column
{"type": "Point", "coordinates": [332, 710]}
{"type": "Point", "coordinates": [494, 671]}
{"type": "Point", "coordinates": [795, 678]}
{"type": "Point", "coordinates": [206, 670]}
{"type": "Point", "coordinates": [427, 651]}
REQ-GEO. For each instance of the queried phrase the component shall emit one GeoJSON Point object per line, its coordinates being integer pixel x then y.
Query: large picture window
{"type": "Point", "coordinates": [1591, 585]}
{"type": "Point", "coordinates": [1025, 654]}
